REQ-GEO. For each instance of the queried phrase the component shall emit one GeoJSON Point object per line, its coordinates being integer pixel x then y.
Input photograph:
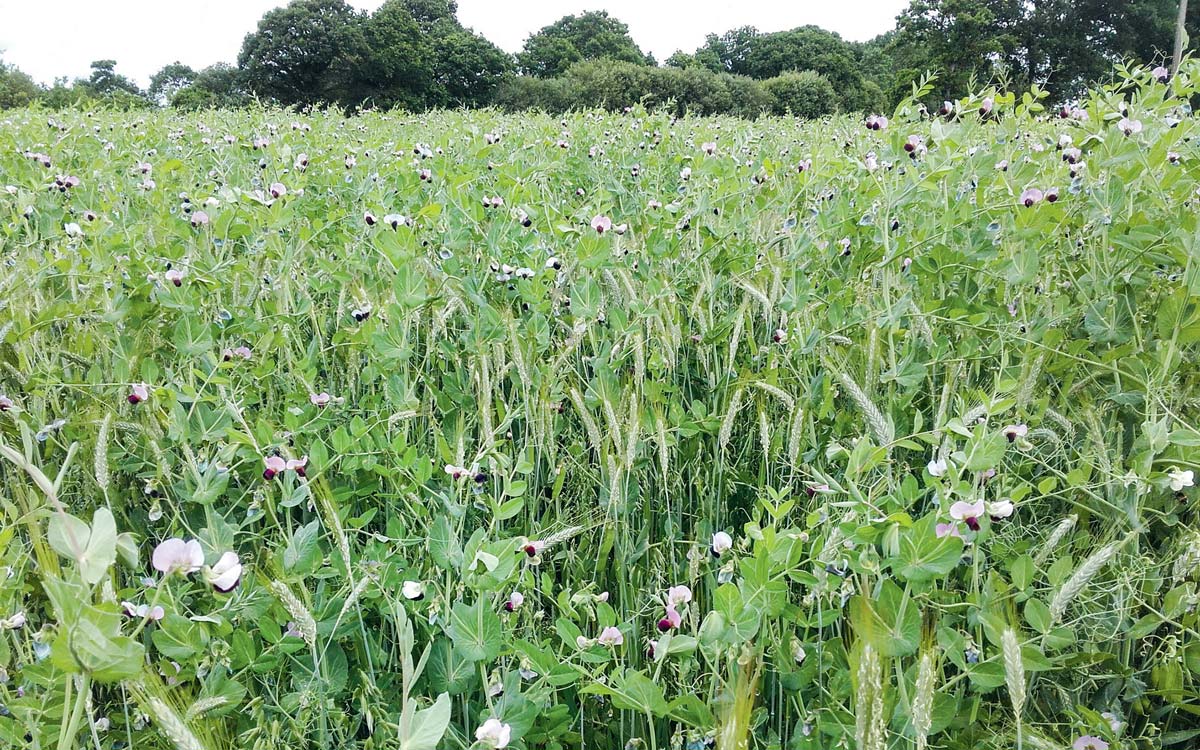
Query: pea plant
{"type": "Point", "coordinates": [473, 430]}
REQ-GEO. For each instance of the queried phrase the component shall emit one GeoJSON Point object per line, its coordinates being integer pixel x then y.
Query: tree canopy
{"type": "Point", "coordinates": [594, 35]}
{"type": "Point", "coordinates": [416, 54]}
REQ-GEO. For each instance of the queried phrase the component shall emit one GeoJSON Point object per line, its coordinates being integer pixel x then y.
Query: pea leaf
{"type": "Point", "coordinates": [923, 556]}
{"type": "Point", "coordinates": [475, 630]}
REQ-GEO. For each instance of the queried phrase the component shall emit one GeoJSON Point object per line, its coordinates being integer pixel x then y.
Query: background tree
{"type": "Point", "coordinates": [16, 87]}
{"type": "Point", "coordinates": [169, 80]}
{"type": "Point", "coordinates": [467, 69]}
{"type": "Point", "coordinates": [220, 85]}
{"type": "Point", "coordinates": [464, 68]}
{"type": "Point", "coordinates": [957, 38]}
{"type": "Point", "coordinates": [729, 51]}
{"type": "Point", "coordinates": [808, 94]}
{"type": "Point", "coordinates": [399, 69]}
{"type": "Point", "coordinates": [809, 48]}
{"type": "Point", "coordinates": [589, 36]}
{"type": "Point", "coordinates": [307, 52]}
{"type": "Point", "coordinates": [106, 81]}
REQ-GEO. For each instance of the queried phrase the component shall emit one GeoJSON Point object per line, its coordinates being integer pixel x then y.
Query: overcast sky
{"type": "Point", "coordinates": [50, 38]}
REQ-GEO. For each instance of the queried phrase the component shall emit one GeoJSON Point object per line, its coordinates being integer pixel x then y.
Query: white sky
{"type": "Point", "coordinates": [50, 38]}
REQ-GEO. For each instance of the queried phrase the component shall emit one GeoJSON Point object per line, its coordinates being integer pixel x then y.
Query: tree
{"type": "Point", "coordinates": [306, 52]}
{"type": "Point", "coordinates": [807, 94]}
{"type": "Point", "coordinates": [445, 65]}
{"type": "Point", "coordinates": [682, 60]}
{"type": "Point", "coordinates": [804, 48]}
{"type": "Point", "coordinates": [957, 38]}
{"type": "Point", "coordinates": [467, 69]}
{"type": "Point", "coordinates": [428, 13]}
{"type": "Point", "coordinates": [749, 52]}
{"type": "Point", "coordinates": [169, 80]}
{"type": "Point", "coordinates": [219, 85]}
{"type": "Point", "coordinates": [1062, 45]}
{"type": "Point", "coordinates": [399, 66]}
{"type": "Point", "coordinates": [106, 81]}
{"type": "Point", "coordinates": [729, 51]}
{"type": "Point", "coordinates": [16, 87]}
{"type": "Point", "coordinates": [589, 36]}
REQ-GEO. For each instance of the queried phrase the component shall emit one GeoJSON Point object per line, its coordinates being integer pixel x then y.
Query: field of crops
{"type": "Point", "coordinates": [470, 430]}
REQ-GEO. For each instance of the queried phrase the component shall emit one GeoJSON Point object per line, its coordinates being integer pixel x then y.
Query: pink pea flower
{"type": "Point", "coordinates": [138, 393]}
{"type": "Point", "coordinates": [985, 107]}
{"type": "Point", "coordinates": [457, 472]}
{"type": "Point", "coordinates": [175, 276]}
{"type": "Point", "coordinates": [670, 621]}
{"type": "Point", "coordinates": [175, 555]}
{"type": "Point", "coordinates": [947, 529]}
{"type": "Point", "coordinates": [199, 218]}
{"type": "Point", "coordinates": [1129, 127]}
{"type": "Point", "coordinates": [709, 147]}
{"type": "Point", "coordinates": [143, 611]}
{"type": "Point", "coordinates": [320, 400]}
{"type": "Point", "coordinates": [601, 223]}
{"type": "Point", "coordinates": [969, 513]}
{"type": "Point", "coordinates": [226, 573]}
{"type": "Point", "coordinates": [1014, 431]}
{"type": "Point", "coordinates": [274, 465]}
{"type": "Point", "coordinates": [242, 352]}
{"type": "Point", "coordinates": [877, 122]}
{"type": "Point", "coordinates": [297, 465]}
{"type": "Point", "coordinates": [677, 595]}
{"type": "Point", "coordinates": [610, 637]}
{"type": "Point", "coordinates": [533, 547]}
{"type": "Point", "coordinates": [1089, 742]}
{"type": "Point", "coordinates": [515, 600]}
{"type": "Point", "coordinates": [6, 403]}
{"type": "Point", "coordinates": [1031, 196]}
{"type": "Point", "coordinates": [278, 190]}
{"type": "Point", "coordinates": [1161, 74]}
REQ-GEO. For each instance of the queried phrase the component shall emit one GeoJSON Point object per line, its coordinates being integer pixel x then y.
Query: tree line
{"type": "Point", "coordinates": [415, 54]}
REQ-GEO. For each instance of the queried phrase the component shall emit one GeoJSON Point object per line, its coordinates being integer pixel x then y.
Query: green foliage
{"type": "Point", "coordinates": [807, 94]}
{"type": "Point", "coordinates": [827, 434]}
{"type": "Point", "coordinates": [304, 53]}
{"type": "Point", "coordinates": [217, 86]}
{"type": "Point", "coordinates": [594, 35]}
{"type": "Point", "coordinates": [16, 87]}
{"type": "Point", "coordinates": [408, 54]}
{"type": "Point", "coordinates": [169, 80]}
{"type": "Point", "coordinates": [616, 85]}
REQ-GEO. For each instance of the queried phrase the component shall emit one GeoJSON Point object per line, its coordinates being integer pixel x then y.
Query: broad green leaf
{"type": "Point", "coordinates": [923, 556]}
{"type": "Point", "coordinates": [425, 728]}
{"type": "Point", "coordinates": [476, 632]}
